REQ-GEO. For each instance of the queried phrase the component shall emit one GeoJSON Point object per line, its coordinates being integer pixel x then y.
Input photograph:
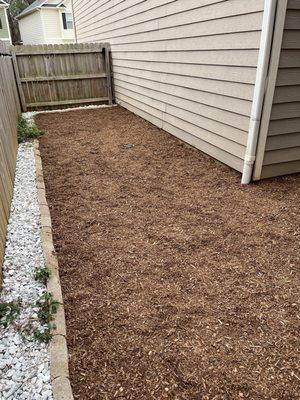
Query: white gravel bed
{"type": "Point", "coordinates": [29, 115]}
{"type": "Point", "coordinates": [24, 365]}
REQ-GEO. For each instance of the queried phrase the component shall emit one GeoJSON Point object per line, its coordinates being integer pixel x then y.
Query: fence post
{"type": "Point", "coordinates": [18, 80]}
{"type": "Point", "coordinates": [108, 73]}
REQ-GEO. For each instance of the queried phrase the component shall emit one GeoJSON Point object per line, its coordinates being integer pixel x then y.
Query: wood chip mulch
{"type": "Point", "coordinates": [178, 282]}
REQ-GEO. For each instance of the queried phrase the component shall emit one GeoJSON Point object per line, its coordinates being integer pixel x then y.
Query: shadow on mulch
{"type": "Point", "coordinates": [178, 282]}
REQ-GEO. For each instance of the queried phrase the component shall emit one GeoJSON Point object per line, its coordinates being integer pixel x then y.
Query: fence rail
{"type": "Point", "coordinates": [9, 111]}
{"type": "Point", "coordinates": [51, 76]}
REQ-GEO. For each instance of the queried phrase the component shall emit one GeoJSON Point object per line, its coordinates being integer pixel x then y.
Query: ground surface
{"type": "Point", "coordinates": [178, 282]}
{"type": "Point", "coordinates": [24, 362]}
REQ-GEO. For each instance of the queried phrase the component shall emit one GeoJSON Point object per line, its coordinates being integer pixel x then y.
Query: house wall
{"type": "Point", "coordinates": [31, 29]}
{"type": "Point", "coordinates": [53, 27]}
{"type": "Point", "coordinates": [68, 5]}
{"type": "Point", "coordinates": [45, 27]}
{"type": "Point", "coordinates": [68, 34]}
{"type": "Point", "coordinates": [186, 66]}
{"type": "Point", "coordinates": [282, 155]}
{"type": "Point", "coordinates": [4, 32]}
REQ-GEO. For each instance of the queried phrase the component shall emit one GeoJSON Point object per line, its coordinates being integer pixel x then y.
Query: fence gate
{"type": "Point", "coordinates": [56, 76]}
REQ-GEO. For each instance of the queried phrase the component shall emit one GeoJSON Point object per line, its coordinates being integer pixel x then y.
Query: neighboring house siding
{"type": "Point", "coordinates": [68, 35]}
{"type": "Point", "coordinates": [52, 26]}
{"type": "Point", "coordinates": [4, 34]}
{"type": "Point", "coordinates": [186, 66]}
{"type": "Point", "coordinates": [282, 155]}
{"type": "Point", "coordinates": [44, 25]}
{"type": "Point", "coordinates": [31, 29]}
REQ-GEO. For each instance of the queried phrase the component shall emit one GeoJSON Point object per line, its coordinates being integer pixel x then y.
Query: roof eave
{"type": "Point", "coordinates": [28, 13]}
{"type": "Point", "coordinates": [25, 13]}
{"type": "Point", "coordinates": [60, 3]}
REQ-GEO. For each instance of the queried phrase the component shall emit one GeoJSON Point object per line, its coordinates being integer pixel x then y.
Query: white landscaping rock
{"type": "Point", "coordinates": [29, 115]}
{"type": "Point", "coordinates": [24, 365]}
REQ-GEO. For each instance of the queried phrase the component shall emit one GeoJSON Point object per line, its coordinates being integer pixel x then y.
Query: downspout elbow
{"type": "Point", "coordinates": [248, 168]}
{"type": "Point", "coordinates": [250, 155]}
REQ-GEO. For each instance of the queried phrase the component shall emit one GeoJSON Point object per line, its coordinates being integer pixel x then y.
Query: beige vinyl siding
{"type": "Point", "coordinates": [282, 153]}
{"type": "Point", "coordinates": [45, 26]}
{"type": "Point", "coordinates": [52, 26]}
{"type": "Point", "coordinates": [68, 35]}
{"type": "Point", "coordinates": [188, 67]}
{"type": "Point", "coordinates": [31, 29]}
{"type": "Point", "coordinates": [4, 34]}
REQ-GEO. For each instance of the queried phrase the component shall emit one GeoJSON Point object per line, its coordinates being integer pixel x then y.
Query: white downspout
{"type": "Point", "coordinates": [259, 89]}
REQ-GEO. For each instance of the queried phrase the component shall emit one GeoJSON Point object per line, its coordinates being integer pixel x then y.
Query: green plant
{"type": "Point", "coordinates": [42, 274]}
{"type": "Point", "coordinates": [25, 331]}
{"type": "Point", "coordinates": [26, 131]}
{"type": "Point", "coordinates": [9, 311]}
{"type": "Point", "coordinates": [47, 308]}
{"type": "Point", "coordinates": [44, 336]}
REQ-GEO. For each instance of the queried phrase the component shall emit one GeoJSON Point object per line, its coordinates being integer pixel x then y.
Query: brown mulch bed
{"type": "Point", "coordinates": [178, 282]}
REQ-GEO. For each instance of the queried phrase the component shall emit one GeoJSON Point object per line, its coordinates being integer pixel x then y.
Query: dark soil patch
{"type": "Point", "coordinates": [179, 283]}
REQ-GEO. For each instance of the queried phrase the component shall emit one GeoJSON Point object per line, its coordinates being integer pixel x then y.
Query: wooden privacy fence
{"type": "Point", "coordinates": [9, 111]}
{"type": "Point", "coordinates": [56, 76]}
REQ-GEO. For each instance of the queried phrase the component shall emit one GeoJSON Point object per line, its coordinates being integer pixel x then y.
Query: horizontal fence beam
{"type": "Point", "coordinates": [67, 102]}
{"type": "Point", "coordinates": [53, 52]}
{"type": "Point", "coordinates": [62, 78]}
{"type": "Point", "coordinates": [5, 54]}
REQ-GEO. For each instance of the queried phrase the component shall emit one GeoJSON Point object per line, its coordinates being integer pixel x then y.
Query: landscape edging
{"type": "Point", "coordinates": [59, 360]}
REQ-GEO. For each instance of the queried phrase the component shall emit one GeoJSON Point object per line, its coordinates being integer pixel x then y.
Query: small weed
{"type": "Point", "coordinates": [42, 275]}
{"type": "Point", "coordinates": [26, 132]}
{"type": "Point", "coordinates": [9, 311]}
{"type": "Point", "coordinates": [44, 336]}
{"type": "Point", "coordinates": [25, 331]}
{"type": "Point", "coordinates": [47, 308]}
